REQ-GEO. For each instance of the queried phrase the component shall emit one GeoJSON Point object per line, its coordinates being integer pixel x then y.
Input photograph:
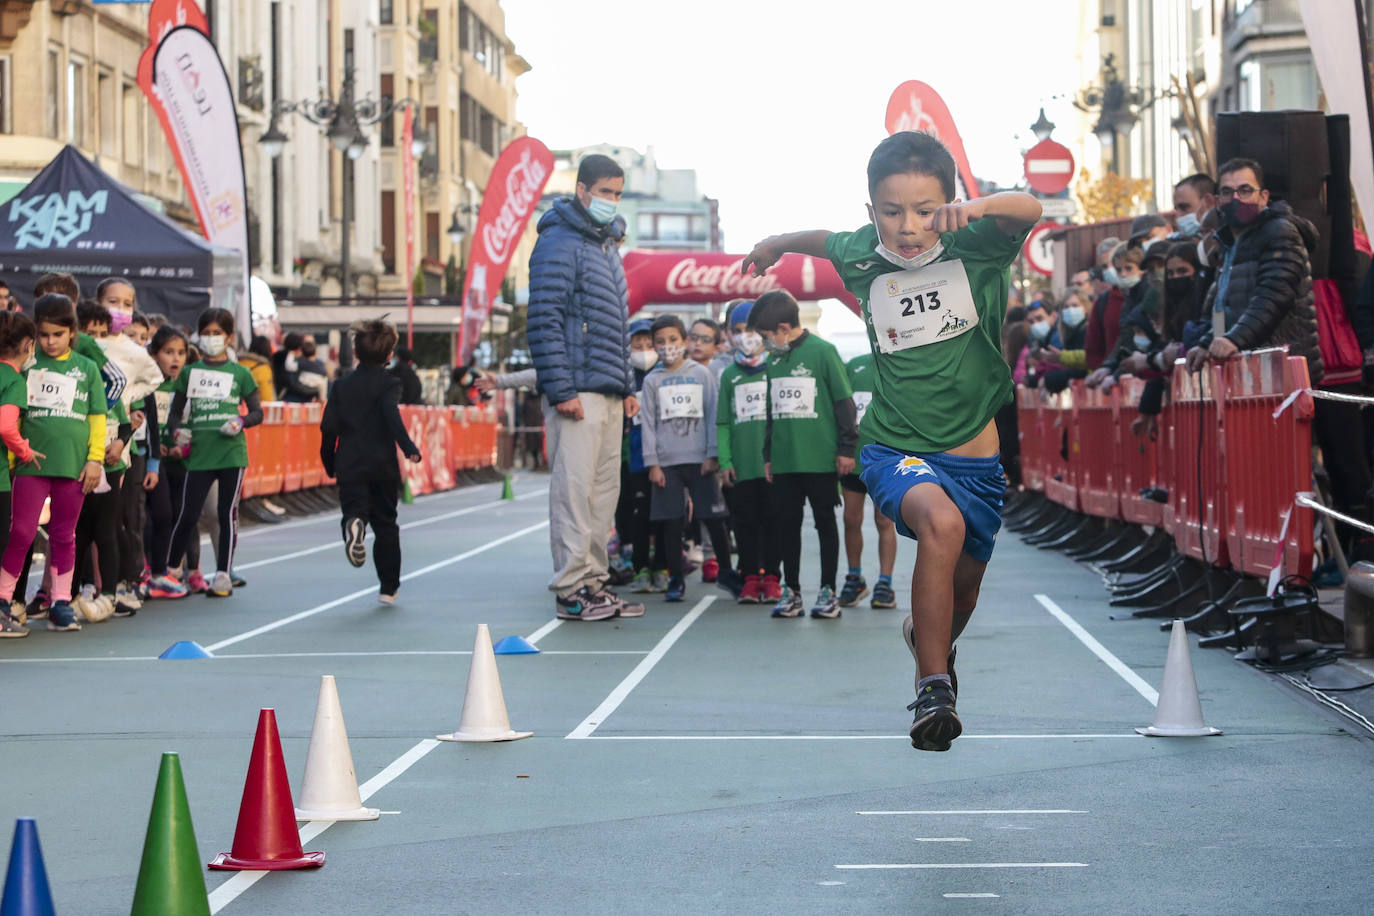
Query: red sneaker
{"type": "Point", "coordinates": [196, 583]}
{"type": "Point", "coordinates": [752, 593]}
{"type": "Point", "coordinates": [710, 570]}
{"type": "Point", "coordinates": [772, 590]}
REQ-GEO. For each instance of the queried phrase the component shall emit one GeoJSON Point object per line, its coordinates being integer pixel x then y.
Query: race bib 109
{"type": "Point", "coordinates": [794, 397]}
{"type": "Point", "coordinates": [751, 401]}
{"type": "Point", "coordinates": [680, 402]}
{"type": "Point", "coordinates": [916, 308]}
{"type": "Point", "coordinates": [51, 390]}
{"type": "Point", "coordinates": [215, 386]}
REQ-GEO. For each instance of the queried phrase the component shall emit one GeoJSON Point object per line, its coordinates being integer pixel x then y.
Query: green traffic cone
{"type": "Point", "coordinates": [170, 879]}
{"type": "Point", "coordinates": [407, 496]}
{"type": "Point", "coordinates": [507, 492]}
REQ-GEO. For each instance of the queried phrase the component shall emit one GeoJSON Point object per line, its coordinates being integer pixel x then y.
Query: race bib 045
{"type": "Point", "coordinates": [751, 401]}
{"type": "Point", "coordinates": [679, 402]}
{"type": "Point", "coordinates": [51, 390]}
{"type": "Point", "coordinates": [212, 385]}
{"type": "Point", "coordinates": [916, 308]}
{"type": "Point", "coordinates": [794, 397]}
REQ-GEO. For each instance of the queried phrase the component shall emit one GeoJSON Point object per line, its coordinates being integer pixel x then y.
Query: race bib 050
{"type": "Point", "coordinates": [794, 397]}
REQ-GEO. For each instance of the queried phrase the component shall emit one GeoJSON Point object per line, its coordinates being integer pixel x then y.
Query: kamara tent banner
{"type": "Point", "coordinates": [915, 106]}
{"type": "Point", "coordinates": [190, 82]}
{"type": "Point", "coordinates": [73, 217]}
{"type": "Point", "coordinates": [517, 180]}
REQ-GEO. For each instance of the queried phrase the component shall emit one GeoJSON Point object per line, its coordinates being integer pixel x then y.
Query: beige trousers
{"type": "Point", "coordinates": [584, 485]}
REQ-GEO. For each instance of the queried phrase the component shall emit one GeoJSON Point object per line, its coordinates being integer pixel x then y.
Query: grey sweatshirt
{"type": "Point", "coordinates": [679, 415]}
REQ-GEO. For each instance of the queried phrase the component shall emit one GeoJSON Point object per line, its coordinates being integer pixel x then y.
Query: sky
{"type": "Point", "coordinates": [777, 104]}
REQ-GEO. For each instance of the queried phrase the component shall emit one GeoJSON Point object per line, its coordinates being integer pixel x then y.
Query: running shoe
{"type": "Point", "coordinates": [659, 580]}
{"type": "Point", "coordinates": [165, 587]}
{"type": "Point", "coordinates": [854, 589]}
{"type": "Point", "coordinates": [731, 581]}
{"type": "Point", "coordinates": [126, 601]}
{"type": "Point", "coordinates": [695, 555]}
{"type": "Point", "coordinates": [236, 580]}
{"type": "Point", "coordinates": [62, 618]}
{"type": "Point", "coordinates": [936, 724]}
{"type": "Point", "coordinates": [221, 586]}
{"type": "Point", "coordinates": [789, 604]}
{"type": "Point", "coordinates": [710, 570]}
{"type": "Point", "coordinates": [883, 596]}
{"type": "Point", "coordinates": [909, 637]}
{"type": "Point", "coordinates": [623, 608]}
{"type": "Point", "coordinates": [355, 541]}
{"type": "Point", "coordinates": [196, 583]}
{"type": "Point", "coordinates": [620, 576]}
{"type": "Point", "coordinates": [92, 607]}
{"type": "Point", "coordinates": [827, 607]}
{"type": "Point", "coordinates": [770, 591]}
{"type": "Point", "coordinates": [752, 593]}
{"type": "Point", "coordinates": [642, 583]}
{"type": "Point", "coordinates": [11, 628]}
{"type": "Point", "coordinates": [19, 612]}
{"type": "Point", "coordinates": [582, 605]}
{"type": "Point", "coordinates": [384, 598]}
{"type": "Point", "coordinates": [38, 608]}
{"type": "Point", "coordinates": [677, 587]}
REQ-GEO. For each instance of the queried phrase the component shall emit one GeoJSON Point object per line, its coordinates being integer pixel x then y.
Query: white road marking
{"type": "Point", "coordinates": [941, 839]}
{"type": "Point", "coordinates": [545, 630]}
{"type": "Point", "coordinates": [1101, 651]}
{"type": "Point", "coordinates": [984, 811]}
{"type": "Point", "coordinates": [969, 896]}
{"type": "Point", "coordinates": [968, 865]}
{"type": "Point", "coordinates": [964, 737]}
{"type": "Point", "coordinates": [231, 655]}
{"type": "Point", "coordinates": [622, 690]}
{"type": "Point", "coordinates": [372, 590]}
{"type": "Point", "coordinates": [230, 890]}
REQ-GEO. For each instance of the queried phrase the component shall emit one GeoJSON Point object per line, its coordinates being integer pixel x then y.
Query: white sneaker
{"type": "Point", "coordinates": [95, 608]}
{"type": "Point", "coordinates": [126, 601]}
{"type": "Point", "coordinates": [221, 586]}
{"type": "Point", "coordinates": [384, 598]}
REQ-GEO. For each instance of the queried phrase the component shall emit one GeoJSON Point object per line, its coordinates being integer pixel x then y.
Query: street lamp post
{"type": "Point", "coordinates": [1115, 103]}
{"type": "Point", "coordinates": [342, 121]}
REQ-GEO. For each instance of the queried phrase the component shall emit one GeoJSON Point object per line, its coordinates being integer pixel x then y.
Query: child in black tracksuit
{"type": "Point", "coordinates": [359, 434]}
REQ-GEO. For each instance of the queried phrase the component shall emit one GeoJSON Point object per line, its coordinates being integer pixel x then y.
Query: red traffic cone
{"type": "Point", "coordinates": [266, 836]}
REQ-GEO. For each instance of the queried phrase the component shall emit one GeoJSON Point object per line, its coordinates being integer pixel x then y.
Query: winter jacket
{"type": "Point", "coordinates": [579, 316]}
{"type": "Point", "coordinates": [1269, 299]}
{"type": "Point", "coordinates": [1104, 325]}
{"type": "Point", "coordinates": [261, 370]}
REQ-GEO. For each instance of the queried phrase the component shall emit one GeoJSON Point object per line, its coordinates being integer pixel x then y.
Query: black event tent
{"type": "Point", "coordinates": [73, 217]}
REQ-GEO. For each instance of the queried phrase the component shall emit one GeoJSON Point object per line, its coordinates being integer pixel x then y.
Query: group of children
{"type": "Point", "coordinates": [117, 430]}
{"type": "Point", "coordinates": [741, 438]}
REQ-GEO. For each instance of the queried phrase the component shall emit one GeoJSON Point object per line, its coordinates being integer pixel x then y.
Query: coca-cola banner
{"type": "Point", "coordinates": [516, 183]}
{"type": "Point", "coordinates": [915, 106]}
{"type": "Point", "coordinates": [712, 276]}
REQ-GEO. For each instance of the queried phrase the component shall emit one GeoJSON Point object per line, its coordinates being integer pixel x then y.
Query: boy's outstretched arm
{"type": "Point", "coordinates": [766, 253]}
{"type": "Point", "coordinates": [1013, 210]}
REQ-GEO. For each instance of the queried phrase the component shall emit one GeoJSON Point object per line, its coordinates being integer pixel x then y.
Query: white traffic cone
{"type": "Point", "coordinates": [1178, 714]}
{"type": "Point", "coordinates": [329, 791]}
{"type": "Point", "coordinates": [484, 705]}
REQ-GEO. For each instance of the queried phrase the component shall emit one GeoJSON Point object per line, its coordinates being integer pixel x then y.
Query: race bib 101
{"type": "Point", "coordinates": [680, 402]}
{"type": "Point", "coordinates": [916, 308]}
{"type": "Point", "coordinates": [794, 397]}
{"type": "Point", "coordinates": [861, 402]}
{"type": "Point", "coordinates": [50, 390]}
{"type": "Point", "coordinates": [215, 386]}
{"type": "Point", "coordinates": [751, 401]}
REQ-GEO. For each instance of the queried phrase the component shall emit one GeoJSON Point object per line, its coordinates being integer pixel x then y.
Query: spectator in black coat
{"type": "Point", "coordinates": [412, 392]}
{"type": "Point", "coordinates": [359, 434]}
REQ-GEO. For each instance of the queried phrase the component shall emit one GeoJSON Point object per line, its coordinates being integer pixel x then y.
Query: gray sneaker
{"type": "Point", "coordinates": [658, 582]}
{"type": "Point", "coordinates": [623, 608]}
{"type": "Point", "coordinates": [584, 605]}
{"type": "Point", "coordinates": [221, 586]}
{"type": "Point", "coordinates": [11, 628]}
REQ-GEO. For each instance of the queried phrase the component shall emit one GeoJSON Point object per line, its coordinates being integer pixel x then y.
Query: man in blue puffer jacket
{"type": "Point", "coordinates": [578, 333]}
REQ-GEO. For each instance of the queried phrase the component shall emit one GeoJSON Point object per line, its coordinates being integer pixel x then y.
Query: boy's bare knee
{"type": "Point", "coordinates": [941, 525]}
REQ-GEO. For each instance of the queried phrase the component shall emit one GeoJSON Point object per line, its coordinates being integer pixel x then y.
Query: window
{"type": "Point", "coordinates": [109, 112]}
{"type": "Point", "coordinates": [429, 36]}
{"type": "Point", "coordinates": [133, 133]}
{"type": "Point", "coordinates": [389, 231]}
{"type": "Point", "coordinates": [76, 101]}
{"type": "Point", "coordinates": [1290, 83]}
{"type": "Point", "coordinates": [432, 236]}
{"type": "Point", "coordinates": [53, 109]}
{"type": "Point", "coordinates": [4, 95]}
{"type": "Point", "coordinates": [387, 12]}
{"type": "Point", "coordinates": [388, 125]}
{"type": "Point", "coordinates": [481, 42]}
{"type": "Point", "coordinates": [674, 227]}
{"type": "Point", "coordinates": [645, 224]}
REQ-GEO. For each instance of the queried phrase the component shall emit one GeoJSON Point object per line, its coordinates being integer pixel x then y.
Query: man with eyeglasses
{"type": "Point", "coordinates": [1262, 296]}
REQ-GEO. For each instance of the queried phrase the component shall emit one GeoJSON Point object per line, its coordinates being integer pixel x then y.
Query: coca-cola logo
{"type": "Point", "coordinates": [523, 186]}
{"type": "Point", "coordinates": [687, 276]}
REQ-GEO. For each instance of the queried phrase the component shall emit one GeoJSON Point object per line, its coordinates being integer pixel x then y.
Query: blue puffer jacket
{"type": "Point", "coordinates": [579, 315]}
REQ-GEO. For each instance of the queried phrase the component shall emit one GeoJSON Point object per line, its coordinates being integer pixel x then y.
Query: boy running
{"type": "Point", "coordinates": [861, 379]}
{"type": "Point", "coordinates": [931, 275]}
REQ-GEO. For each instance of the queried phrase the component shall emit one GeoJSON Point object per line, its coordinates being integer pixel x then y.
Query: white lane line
{"type": "Point", "coordinates": [983, 811]}
{"type": "Point", "coordinates": [969, 896]}
{"type": "Point", "coordinates": [1101, 651]}
{"type": "Point", "coordinates": [622, 690]}
{"type": "Point", "coordinates": [336, 543]}
{"type": "Point", "coordinates": [230, 890]}
{"type": "Point", "coordinates": [964, 737]}
{"type": "Point", "coordinates": [969, 865]}
{"type": "Point", "coordinates": [232, 655]}
{"type": "Point", "coordinates": [316, 518]}
{"type": "Point", "coordinates": [545, 630]}
{"type": "Point", "coordinates": [941, 839]}
{"type": "Point", "coordinates": [372, 590]}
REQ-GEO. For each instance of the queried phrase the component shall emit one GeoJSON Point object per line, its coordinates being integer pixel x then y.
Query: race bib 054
{"type": "Point", "coordinates": [212, 385]}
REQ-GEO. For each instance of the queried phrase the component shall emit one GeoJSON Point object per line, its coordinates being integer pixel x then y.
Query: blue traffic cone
{"type": "Point", "coordinates": [514, 645]}
{"type": "Point", "coordinates": [26, 883]}
{"type": "Point", "coordinates": [187, 648]}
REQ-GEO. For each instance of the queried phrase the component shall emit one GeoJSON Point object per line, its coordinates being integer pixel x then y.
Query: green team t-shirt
{"type": "Point", "coordinates": [937, 338]}
{"type": "Point", "coordinates": [12, 391]}
{"type": "Point", "coordinates": [742, 421]}
{"type": "Point", "coordinates": [118, 414]}
{"type": "Point", "coordinates": [213, 392]}
{"type": "Point", "coordinates": [803, 386]}
{"type": "Point", "coordinates": [60, 394]}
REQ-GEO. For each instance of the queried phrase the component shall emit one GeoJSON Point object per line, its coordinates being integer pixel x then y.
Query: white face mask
{"type": "Point", "coordinates": [1073, 315]}
{"type": "Point", "coordinates": [749, 343]}
{"type": "Point", "coordinates": [1188, 224]}
{"type": "Point", "coordinates": [1202, 253]}
{"type": "Point", "coordinates": [1142, 342]}
{"type": "Point", "coordinates": [643, 360]}
{"type": "Point", "coordinates": [213, 344]}
{"type": "Point", "coordinates": [921, 260]}
{"type": "Point", "coordinates": [1040, 330]}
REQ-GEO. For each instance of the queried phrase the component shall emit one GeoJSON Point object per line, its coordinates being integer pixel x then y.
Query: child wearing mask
{"type": "Point", "coordinates": [741, 423]}
{"type": "Point", "coordinates": [170, 349]}
{"type": "Point", "coordinates": [213, 388]}
{"type": "Point", "coordinates": [637, 533]}
{"type": "Point", "coordinates": [17, 336]}
{"type": "Point", "coordinates": [64, 422]}
{"type": "Point", "coordinates": [679, 440]}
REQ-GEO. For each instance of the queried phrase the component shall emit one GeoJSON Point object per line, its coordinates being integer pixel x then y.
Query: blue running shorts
{"type": "Point", "coordinates": [975, 485]}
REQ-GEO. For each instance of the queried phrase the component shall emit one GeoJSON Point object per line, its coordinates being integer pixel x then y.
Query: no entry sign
{"type": "Point", "coordinates": [1049, 167]}
{"type": "Point", "coordinates": [1039, 250]}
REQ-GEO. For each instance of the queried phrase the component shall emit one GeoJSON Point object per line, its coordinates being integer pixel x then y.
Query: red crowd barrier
{"type": "Point", "coordinates": [1234, 448]}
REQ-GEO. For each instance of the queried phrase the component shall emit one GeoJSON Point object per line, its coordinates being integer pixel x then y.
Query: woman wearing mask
{"type": "Point", "coordinates": [1140, 309]}
{"type": "Point", "coordinates": [1070, 359]}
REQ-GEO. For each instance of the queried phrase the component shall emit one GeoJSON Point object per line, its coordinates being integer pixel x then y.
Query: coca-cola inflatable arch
{"type": "Point", "coordinates": [713, 276]}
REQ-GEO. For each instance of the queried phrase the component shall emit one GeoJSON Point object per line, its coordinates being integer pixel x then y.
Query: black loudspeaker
{"type": "Point", "coordinates": [1293, 149]}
